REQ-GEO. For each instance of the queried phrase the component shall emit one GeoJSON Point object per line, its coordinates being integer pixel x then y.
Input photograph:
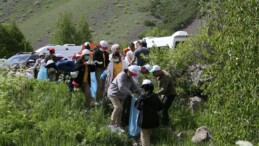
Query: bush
{"type": "Point", "coordinates": [42, 113]}
{"type": "Point", "coordinates": [149, 23]}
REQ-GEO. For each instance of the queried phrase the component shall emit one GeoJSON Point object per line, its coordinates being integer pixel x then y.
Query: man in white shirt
{"type": "Point", "coordinates": [130, 53]}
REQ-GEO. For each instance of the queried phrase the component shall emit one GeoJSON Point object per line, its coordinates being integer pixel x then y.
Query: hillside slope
{"type": "Point", "coordinates": [114, 20]}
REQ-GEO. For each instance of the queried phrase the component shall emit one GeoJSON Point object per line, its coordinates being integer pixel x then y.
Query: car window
{"type": "Point", "coordinates": [18, 58]}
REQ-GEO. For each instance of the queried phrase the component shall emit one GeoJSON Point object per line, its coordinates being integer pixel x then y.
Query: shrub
{"type": "Point", "coordinates": [149, 23]}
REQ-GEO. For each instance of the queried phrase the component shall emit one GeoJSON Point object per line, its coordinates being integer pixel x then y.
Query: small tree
{"type": "Point", "coordinates": [67, 32]}
{"type": "Point", "coordinates": [12, 40]}
{"type": "Point", "coordinates": [83, 33]}
{"type": "Point", "coordinates": [64, 31]}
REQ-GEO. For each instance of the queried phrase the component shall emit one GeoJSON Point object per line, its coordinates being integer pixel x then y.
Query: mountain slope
{"type": "Point", "coordinates": [113, 20]}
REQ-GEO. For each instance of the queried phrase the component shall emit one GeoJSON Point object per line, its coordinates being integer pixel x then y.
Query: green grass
{"type": "Point", "coordinates": [44, 114]}
{"type": "Point", "coordinates": [36, 19]}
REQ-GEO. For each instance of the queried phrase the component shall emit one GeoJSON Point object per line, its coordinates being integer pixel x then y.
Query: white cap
{"type": "Point", "coordinates": [134, 69]}
{"type": "Point", "coordinates": [146, 81]}
{"type": "Point", "coordinates": [147, 66]}
{"type": "Point", "coordinates": [104, 43]}
{"type": "Point", "coordinates": [85, 52]}
{"type": "Point", "coordinates": [155, 68]}
{"type": "Point", "coordinates": [78, 55]}
{"type": "Point", "coordinates": [49, 62]}
{"type": "Point", "coordinates": [87, 43]}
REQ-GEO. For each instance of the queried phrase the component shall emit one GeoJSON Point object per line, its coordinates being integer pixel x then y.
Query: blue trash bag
{"type": "Point", "coordinates": [134, 129]}
{"type": "Point", "coordinates": [42, 74]}
{"type": "Point", "coordinates": [93, 87]}
{"type": "Point", "coordinates": [66, 65]}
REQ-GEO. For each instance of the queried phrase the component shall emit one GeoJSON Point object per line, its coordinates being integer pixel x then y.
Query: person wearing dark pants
{"type": "Point", "coordinates": [166, 88]}
{"type": "Point", "coordinates": [167, 102]}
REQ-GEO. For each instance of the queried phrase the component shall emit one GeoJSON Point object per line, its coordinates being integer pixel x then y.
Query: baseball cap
{"type": "Point", "coordinates": [155, 68]}
{"type": "Point", "coordinates": [104, 44]}
{"type": "Point", "coordinates": [146, 82]}
{"type": "Point", "coordinates": [133, 69]}
{"type": "Point", "coordinates": [147, 66]}
{"type": "Point", "coordinates": [87, 43]}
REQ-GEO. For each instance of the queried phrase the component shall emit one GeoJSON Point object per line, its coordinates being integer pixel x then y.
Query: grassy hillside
{"type": "Point", "coordinates": [114, 20]}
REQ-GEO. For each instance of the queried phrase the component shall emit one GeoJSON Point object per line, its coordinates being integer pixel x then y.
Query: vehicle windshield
{"type": "Point", "coordinates": [18, 58]}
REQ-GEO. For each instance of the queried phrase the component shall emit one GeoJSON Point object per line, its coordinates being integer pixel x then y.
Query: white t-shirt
{"type": "Point", "coordinates": [129, 57]}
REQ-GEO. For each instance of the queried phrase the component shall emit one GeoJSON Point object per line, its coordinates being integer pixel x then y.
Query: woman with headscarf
{"type": "Point", "coordinates": [116, 65]}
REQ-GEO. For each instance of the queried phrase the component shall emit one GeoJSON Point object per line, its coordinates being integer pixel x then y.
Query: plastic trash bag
{"type": "Point", "coordinates": [93, 87]}
{"type": "Point", "coordinates": [134, 130]}
{"type": "Point", "coordinates": [42, 74]}
{"type": "Point", "coordinates": [66, 65]}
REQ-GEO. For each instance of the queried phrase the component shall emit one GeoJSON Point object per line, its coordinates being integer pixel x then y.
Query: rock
{"type": "Point", "coordinates": [195, 102]}
{"type": "Point", "coordinates": [196, 74]}
{"type": "Point", "coordinates": [243, 143]}
{"type": "Point", "coordinates": [202, 134]}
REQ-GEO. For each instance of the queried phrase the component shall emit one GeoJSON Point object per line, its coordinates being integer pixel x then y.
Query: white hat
{"type": "Point", "coordinates": [85, 52]}
{"type": "Point", "coordinates": [147, 66]}
{"type": "Point", "coordinates": [87, 43]}
{"type": "Point", "coordinates": [146, 81]}
{"type": "Point", "coordinates": [134, 69]}
{"type": "Point", "coordinates": [155, 68]}
{"type": "Point", "coordinates": [78, 55]}
{"type": "Point", "coordinates": [104, 43]}
{"type": "Point", "coordinates": [49, 62]}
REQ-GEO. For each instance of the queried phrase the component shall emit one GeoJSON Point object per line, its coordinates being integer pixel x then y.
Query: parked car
{"type": "Point", "coordinates": [25, 59]}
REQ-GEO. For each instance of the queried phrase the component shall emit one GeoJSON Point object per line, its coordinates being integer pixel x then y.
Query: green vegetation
{"type": "Point", "coordinates": [39, 25]}
{"type": "Point", "coordinates": [12, 40]}
{"type": "Point", "coordinates": [171, 15]}
{"type": "Point", "coordinates": [228, 44]}
{"type": "Point", "coordinates": [67, 32]}
{"type": "Point", "coordinates": [42, 113]}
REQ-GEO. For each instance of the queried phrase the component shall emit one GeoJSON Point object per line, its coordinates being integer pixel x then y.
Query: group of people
{"type": "Point", "coordinates": [117, 76]}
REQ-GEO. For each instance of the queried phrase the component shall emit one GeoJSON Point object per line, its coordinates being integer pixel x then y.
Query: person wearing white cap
{"type": "Point", "coordinates": [145, 69]}
{"type": "Point", "coordinates": [120, 88]}
{"type": "Point", "coordinates": [52, 70]}
{"type": "Point", "coordinates": [166, 88]}
{"type": "Point", "coordinates": [101, 57]}
{"type": "Point", "coordinates": [148, 104]}
{"type": "Point", "coordinates": [84, 69]}
{"type": "Point", "coordinates": [87, 45]}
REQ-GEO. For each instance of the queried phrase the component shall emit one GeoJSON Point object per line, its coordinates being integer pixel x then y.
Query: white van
{"type": "Point", "coordinates": [170, 41]}
{"type": "Point", "coordinates": [67, 50]}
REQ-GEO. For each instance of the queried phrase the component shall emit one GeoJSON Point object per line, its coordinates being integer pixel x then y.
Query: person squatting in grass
{"type": "Point", "coordinates": [148, 104]}
{"type": "Point", "coordinates": [120, 88]}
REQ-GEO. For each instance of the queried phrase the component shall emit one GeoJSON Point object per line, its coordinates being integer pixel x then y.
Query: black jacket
{"type": "Point", "coordinates": [98, 56]}
{"type": "Point", "coordinates": [80, 67]}
{"type": "Point", "coordinates": [148, 104]}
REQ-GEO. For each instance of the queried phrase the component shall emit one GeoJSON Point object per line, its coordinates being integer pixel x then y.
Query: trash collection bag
{"type": "Point", "coordinates": [42, 74]}
{"type": "Point", "coordinates": [134, 130]}
{"type": "Point", "coordinates": [93, 87]}
{"type": "Point", "coordinates": [66, 65]}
